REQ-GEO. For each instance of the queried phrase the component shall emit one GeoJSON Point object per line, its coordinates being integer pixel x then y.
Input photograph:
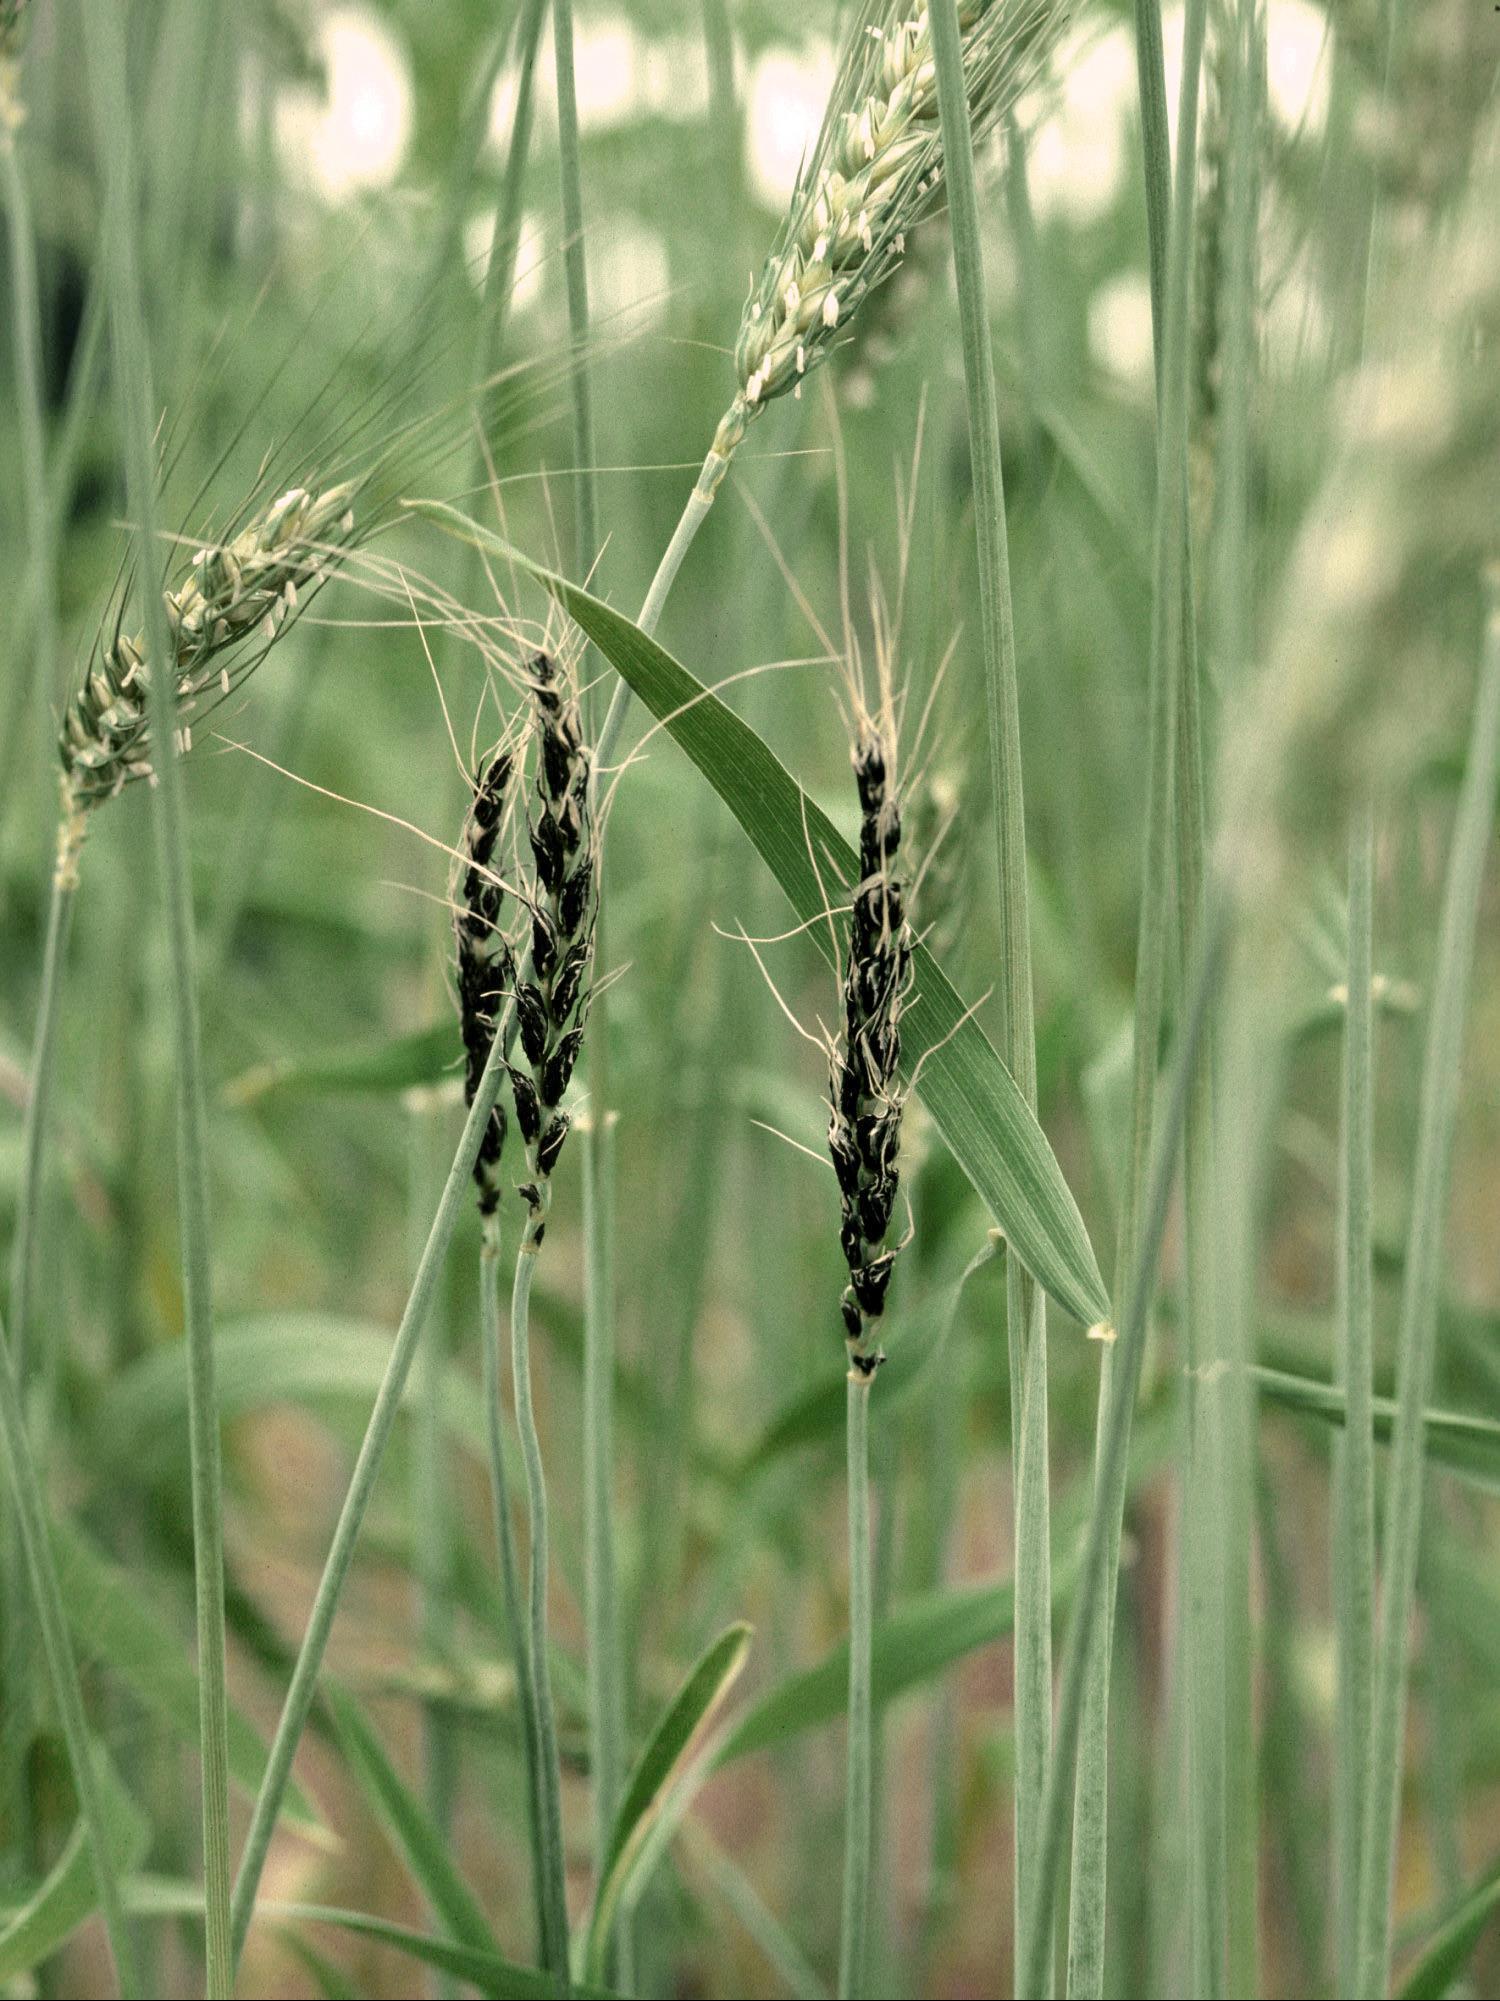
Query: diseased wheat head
{"type": "Point", "coordinates": [486, 960]}
{"type": "Point", "coordinates": [553, 992]}
{"type": "Point", "coordinates": [864, 1134]}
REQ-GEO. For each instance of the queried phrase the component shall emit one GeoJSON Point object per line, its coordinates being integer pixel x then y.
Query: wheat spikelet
{"type": "Point", "coordinates": [552, 996]}
{"type": "Point", "coordinates": [231, 592]}
{"type": "Point", "coordinates": [486, 961]}
{"type": "Point", "coordinates": [876, 171]}
{"type": "Point", "coordinates": [864, 1133]}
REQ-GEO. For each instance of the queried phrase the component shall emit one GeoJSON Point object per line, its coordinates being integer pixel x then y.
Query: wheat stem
{"type": "Point", "coordinates": [41, 532]}
{"type": "Point", "coordinates": [1416, 1347]}
{"type": "Point", "coordinates": [30, 1210]}
{"type": "Point", "coordinates": [505, 1542]}
{"type": "Point", "coordinates": [856, 1911]}
{"type": "Point", "coordinates": [1353, 1543]}
{"type": "Point", "coordinates": [432, 1499]}
{"type": "Point", "coordinates": [693, 516]}
{"type": "Point", "coordinates": [1026, 1312]}
{"type": "Point", "coordinates": [41, 599]}
{"type": "Point", "coordinates": [541, 1721]}
{"type": "Point", "coordinates": [106, 46]}
{"type": "Point", "coordinates": [601, 1603]}
{"type": "Point", "coordinates": [1171, 646]}
{"type": "Point", "coordinates": [303, 1685]}
{"type": "Point", "coordinates": [1091, 1600]}
{"type": "Point", "coordinates": [601, 1600]}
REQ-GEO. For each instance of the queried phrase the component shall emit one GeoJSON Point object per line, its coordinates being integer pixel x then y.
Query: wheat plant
{"type": "Point", "coordinates": [1144, 935]}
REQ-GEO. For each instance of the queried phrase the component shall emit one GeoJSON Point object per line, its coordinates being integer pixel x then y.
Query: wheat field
{"type": "Point", "coordinates": [749, 998]}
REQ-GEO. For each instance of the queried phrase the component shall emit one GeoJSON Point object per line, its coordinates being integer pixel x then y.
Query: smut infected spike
{"type": "Point", "coordinates": [552, 1002]}
{"type": "Point", "coordinates": [486, 963]}
{"type": "Point", "coordinates": [864, 1136]}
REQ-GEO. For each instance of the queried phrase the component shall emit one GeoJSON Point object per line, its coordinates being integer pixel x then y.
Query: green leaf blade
{"type": "Point", "coordinates": [657, 1775]}
{"type": "Point", "coordinates": [69, 1894]}
{"type": "Point", "coordinates": [419, 1842]}
{"type": "Point", "coordinates": [1445, 1957]}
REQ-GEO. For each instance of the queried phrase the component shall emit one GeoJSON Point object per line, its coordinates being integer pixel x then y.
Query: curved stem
{"type": "Point", "coordinates": [543, 1723]}
{"type": "Point", "coordinates": [605, 1692]}
{"type": "Point", "coordinates": [505, 1540]}
{"type": "Point", "coordinates": [304, 1680]}
{"type": "Point", "coordinates": [859, 1739]}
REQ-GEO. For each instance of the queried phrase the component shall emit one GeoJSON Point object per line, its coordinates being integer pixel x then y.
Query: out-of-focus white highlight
{"type": "Point", "coordinates": [786, 95]}
{"type": "Point", "coordinates": [1120, 327]}
{"type": "Point", "coordinates": [355, 134]}
{"type": "Point", "coordinates": [618, 77]}
{"type": "Point", "coordinates": [1076, 160]}
{"type": "Point", "coordinates": [606, 50]}
{"type": "Point", "coordinates": [628, 275]}
{"type": "Point", "coordinates": [1297, 58]}
{"type": "Point", "coordinates": [674, 78]}
{"type": "Point", "coordinates": [1296, 66]}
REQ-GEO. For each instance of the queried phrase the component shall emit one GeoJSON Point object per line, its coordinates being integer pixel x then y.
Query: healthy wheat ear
{"type": "Point", "coordinates": [876, 172]}
{"type": "Point", "coordinates": [231, 592]}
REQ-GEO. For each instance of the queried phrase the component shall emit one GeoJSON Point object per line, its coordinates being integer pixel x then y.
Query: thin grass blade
{"type": "Point", "coordinates": [660, 1766]}
{"type": "Point", "coordinates": [1437, 1114]}
{"type": "Point", "coordinates": [1354, 1468]}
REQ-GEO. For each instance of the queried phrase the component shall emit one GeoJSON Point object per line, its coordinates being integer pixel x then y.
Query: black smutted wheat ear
{"type": "Point", "coordinates": [486, 962]}
{"type": "Point", "coordinates": [864, 1134]}
{"type": "Point", "coordinates": [552, 997]}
